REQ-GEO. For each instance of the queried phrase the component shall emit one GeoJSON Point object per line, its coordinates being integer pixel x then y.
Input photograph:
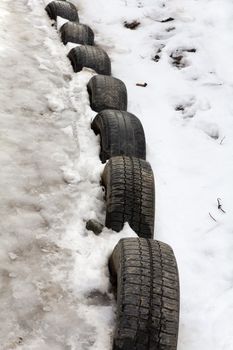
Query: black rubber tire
{"type": "Point", "coordinates": [146, 275]}
{"type": "Point", "coordinates": [130, 195]}
{"type": "Point", "coordinates": [90, 57]}
{"type": "Point", "coordinates": [107, 93]}
{"type": "Point", "coordinates": [77, 33]}
{"type": "Point", "coordinates": [121, 133]}
{"type": "Point", "coordinates": [64, 9]}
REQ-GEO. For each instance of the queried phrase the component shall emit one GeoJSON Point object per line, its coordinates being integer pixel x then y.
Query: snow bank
{"type": "Point", "coordinates": [55, 290]}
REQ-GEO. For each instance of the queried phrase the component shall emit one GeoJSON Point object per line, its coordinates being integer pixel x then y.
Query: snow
{"type": "Point", "coordinates": [55, 290]}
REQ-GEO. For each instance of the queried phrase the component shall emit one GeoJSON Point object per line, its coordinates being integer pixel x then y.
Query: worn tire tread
{"type": "Point", "coordinates": [90, 57]}
{"type": "Point", "coordinates": [107, 92]}
{"type": "Point", "coordinates": [121, 133]}
{"type": "Point", "coordinates": [77, 33]}
{"type": "Point", "coordinates": [127, 203]}
{"type": "Point", "coordinates": [64, 9]}
{"type": "Point", "coordinates": [147, 314]}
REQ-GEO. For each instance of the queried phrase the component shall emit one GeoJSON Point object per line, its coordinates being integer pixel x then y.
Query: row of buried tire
{"type": "Point", "coordinates": [143, 271]}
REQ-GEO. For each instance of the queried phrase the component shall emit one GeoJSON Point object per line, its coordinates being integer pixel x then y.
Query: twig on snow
{"type": "Point", "coordinates": [221, 142]}
{"type": "Point", "coordinates": [142, 85]}
{"type": "Point", "coordinates": [169, 19]}
{"type": "Point", "coordinates": [131, 25]}
{"type": "Point", "coordinates": [212, 217]}
{"type": "Point", "coordinates": [220, 205]}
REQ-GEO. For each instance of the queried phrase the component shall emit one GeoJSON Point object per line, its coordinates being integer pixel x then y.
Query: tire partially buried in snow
{"type": "Point", "coordinates": [130, 195]}
{"type": "Point", "coordinates": [90, 57]}
{"type": "Point", "coordinates": [121, 133]}
{"type": "Point", "coordinates": [107, 93]}
{"type": "Point", "coordinates": [146, 276]}
{"type": "Point", "coordinates": [64, 9]}
{"type": "Point", "coordinates": [77, 33]}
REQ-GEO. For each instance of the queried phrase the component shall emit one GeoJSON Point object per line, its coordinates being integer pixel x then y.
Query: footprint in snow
{"type": "Point", "coordinates": [96, 297]}
{"type": "Point", "coordinates": [158, 52]}
{"type": "Point", "coordinates": [180, 57]}
{"type": "Point", "coordinates": [166, 33]}
{"type": "Point", "coordinates": [187, 108]}
{"type": "Point", "coordinates": [190, 105]}
{"type": "Point", "coordinates": [210, 129]}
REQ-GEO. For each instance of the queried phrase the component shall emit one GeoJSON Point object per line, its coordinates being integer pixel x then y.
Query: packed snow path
{"type": "Point", "coordinates": [54, 279]}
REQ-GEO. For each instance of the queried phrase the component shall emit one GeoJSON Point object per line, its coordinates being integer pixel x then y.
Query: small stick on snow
{"type": "Point", "coordinates": [142, 85]}
{"type": "Point", "coordinates": [220, 205]}
{"type": "Point", "coordinates": [222, 140]}
{"type": "Point", "coordinates": [132, 25]}
{"type": "Point", "coordinates": [212, 217]}
{"type": "Point", "coordinates": [169, 19]}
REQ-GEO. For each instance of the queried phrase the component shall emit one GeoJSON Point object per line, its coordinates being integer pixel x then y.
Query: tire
{"type": "Point", "coordinates": [121, 133]}
{"type": "Point", "coordinates": [146, 275]}
{"type": "Point", "coordinates": [90, 57]}
{"type": "Point", "coordinates": [130, 195]}
{"type": "Point", "coordinates": [63, 9]}
{"type": "Point", "coordinates": [77, 33]}
{"type": "Point", "coordinates": [107, 93]}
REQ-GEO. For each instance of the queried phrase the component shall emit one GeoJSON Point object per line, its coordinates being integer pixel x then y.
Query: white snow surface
{"type": "Point", "coordinates": [55, 291]}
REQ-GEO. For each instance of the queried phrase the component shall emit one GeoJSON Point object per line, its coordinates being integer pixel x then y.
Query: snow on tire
{"type": "Point", "coordinates": [77, 33]}
{"type": "Point", "coordinates": [91, 57]}
{"type": "Point", "coordinates": [121, 133]}
{"type": "Point", "coordinates": [107, 93]}
{"type": "Point", "coordinates": [146, 276]}
{"type": "Point", "coordinates": [130, 195]}
{"type": "Point", "coordinates": [64, 9]}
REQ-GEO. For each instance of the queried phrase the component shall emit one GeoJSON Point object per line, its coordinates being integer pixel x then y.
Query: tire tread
{"type": "Point", "coordinates": [64, 9]}
{"type": "Point", "coordinates": [90, 57]}
{"type": "Point", "coordinates": [107, 92]}
{"type": "Point", "coordinates": [121, 133]}
{"type": "Point", "coordinates": [128, 202]}
{"type": "Point", "coordinates": [77, 33]}
{"type": "Point", "coordinates": [144, 315]}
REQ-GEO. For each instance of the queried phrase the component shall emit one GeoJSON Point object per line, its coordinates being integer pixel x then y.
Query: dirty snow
{"type": "Point", "coordinates": [55, 291]}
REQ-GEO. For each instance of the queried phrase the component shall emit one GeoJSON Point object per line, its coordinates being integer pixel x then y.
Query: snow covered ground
{"type": "Point", "coordinates": [55, 292]}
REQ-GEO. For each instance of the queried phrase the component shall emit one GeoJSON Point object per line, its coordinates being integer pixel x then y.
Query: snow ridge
{"type": "Point", "coordinates": [54, 276]}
